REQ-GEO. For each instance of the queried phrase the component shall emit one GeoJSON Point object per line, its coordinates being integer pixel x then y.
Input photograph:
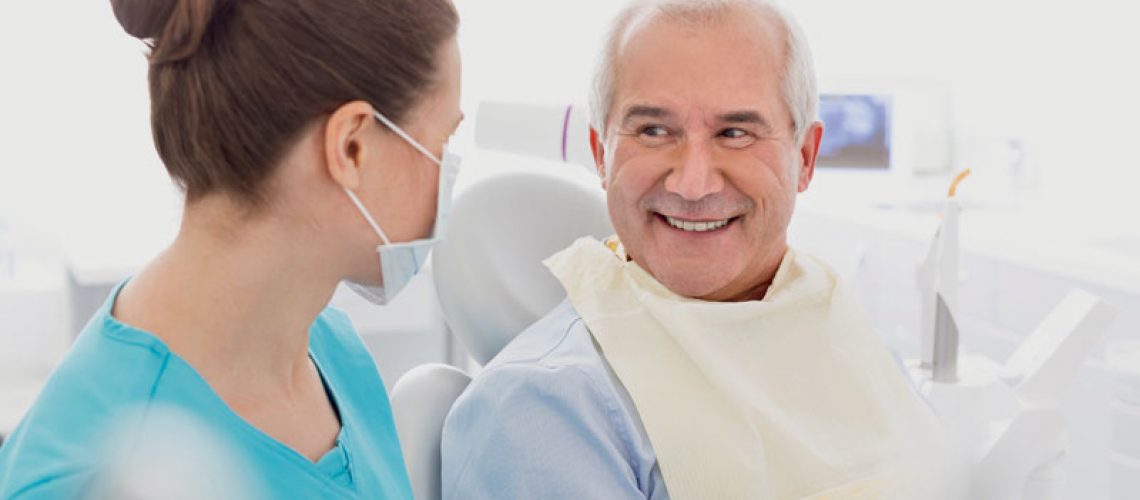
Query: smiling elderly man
{"type": "Point", "coordinates": [697, 356]}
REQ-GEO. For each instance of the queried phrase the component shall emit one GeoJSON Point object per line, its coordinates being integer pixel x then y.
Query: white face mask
{"type": "Point", "coordinates": [399, 262]}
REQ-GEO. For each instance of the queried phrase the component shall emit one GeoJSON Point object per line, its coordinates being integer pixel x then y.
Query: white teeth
{"type": "Point", "coordinates": [698, 227]}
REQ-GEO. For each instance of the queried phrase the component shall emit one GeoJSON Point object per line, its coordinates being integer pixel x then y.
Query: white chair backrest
{"type": "Point", "coordinates": [492, 285]}
{"type": "Point", "coordinates": [489, 273]}
{"type": "Point", "coordinates": [421, 400]}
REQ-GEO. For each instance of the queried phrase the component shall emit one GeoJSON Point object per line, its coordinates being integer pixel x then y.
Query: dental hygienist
{"type": "Point", "coordinates": [309, 138]}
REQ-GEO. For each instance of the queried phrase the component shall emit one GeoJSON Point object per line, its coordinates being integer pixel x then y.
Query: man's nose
{"type": "Point", "coordinates": [695, 175]}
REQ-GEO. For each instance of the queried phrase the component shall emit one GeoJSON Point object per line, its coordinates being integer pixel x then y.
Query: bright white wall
{"type": "Point", "coordinates": [1056, 75]}
{"type": "Point", "coordinates": [530, 51]}
{"type": "Point", "coordinates": [76, 161]}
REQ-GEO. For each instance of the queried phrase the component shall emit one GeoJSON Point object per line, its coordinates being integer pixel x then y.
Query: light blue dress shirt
{"type": "Point", "coordinates": [548, 419]}
{"type": "Point", "coordinates": [59, 450]}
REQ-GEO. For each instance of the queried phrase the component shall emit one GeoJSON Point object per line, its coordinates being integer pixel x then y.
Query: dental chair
{"type": "Point", "coordinates": [492, 285]}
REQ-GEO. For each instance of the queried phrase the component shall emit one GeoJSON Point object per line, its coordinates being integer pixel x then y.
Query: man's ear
{"type": "Point", "coordinates": [344, 142]}
{"type": "Point", "coordinates": [809, 154]}
{"type": "Point", "coordinates": [598, 148]}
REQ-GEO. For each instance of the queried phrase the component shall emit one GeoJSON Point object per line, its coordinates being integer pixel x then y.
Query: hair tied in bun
{"type": "Point", "coordinates": [143, 18]}
{"type": "Point", "coordinates": [174, 28]}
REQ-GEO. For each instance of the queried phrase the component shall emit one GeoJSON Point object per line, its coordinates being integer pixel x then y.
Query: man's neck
{"type": "Point", "coordinates": [752, 287]}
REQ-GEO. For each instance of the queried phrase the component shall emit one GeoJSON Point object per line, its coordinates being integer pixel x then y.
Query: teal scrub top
{"type": "Point", "coordinates": [119, 377]}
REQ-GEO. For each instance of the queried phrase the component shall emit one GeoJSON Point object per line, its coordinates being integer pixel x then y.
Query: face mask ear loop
{"type": "Point", "coordinates": [403, 135]}
{"type": "Point", "coordinates": [367, 216]}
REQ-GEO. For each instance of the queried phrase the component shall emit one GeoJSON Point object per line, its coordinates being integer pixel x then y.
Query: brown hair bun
{"type": "Point", "coordinates": [174, 28]}
{"type": "Point", "coordinates": [143, 18]}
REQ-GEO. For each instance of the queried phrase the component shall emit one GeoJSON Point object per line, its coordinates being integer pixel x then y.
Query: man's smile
{"type": "Point", "coordinates": [691, 225]}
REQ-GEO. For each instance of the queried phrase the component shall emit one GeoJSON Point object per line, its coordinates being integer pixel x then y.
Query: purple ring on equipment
{"type": "Point", "coordinates": [565, 130]}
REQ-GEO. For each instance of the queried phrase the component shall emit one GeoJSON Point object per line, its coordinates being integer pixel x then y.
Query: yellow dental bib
{"type": "Point", "coordinates": [793, 396]}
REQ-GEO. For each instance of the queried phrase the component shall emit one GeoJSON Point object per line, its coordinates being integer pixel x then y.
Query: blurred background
{"type": "Point", "coordinates": [1039, 98]}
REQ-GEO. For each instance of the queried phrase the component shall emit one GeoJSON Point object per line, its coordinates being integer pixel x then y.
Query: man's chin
{"type": "Point", "coordinates": [689, 276]}
{"type": "Point", "coordinates": [692, 285]}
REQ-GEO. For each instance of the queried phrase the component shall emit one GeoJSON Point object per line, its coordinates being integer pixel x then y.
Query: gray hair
{"type": "Point", "coordinates": [798, 85]}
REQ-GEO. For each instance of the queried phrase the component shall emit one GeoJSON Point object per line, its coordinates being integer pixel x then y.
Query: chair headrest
{"type": "Point", "coordinates": [488, 272]}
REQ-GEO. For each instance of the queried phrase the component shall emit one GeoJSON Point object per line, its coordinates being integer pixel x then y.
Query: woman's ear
{"type": "Point", "coordinates": [344, 136]}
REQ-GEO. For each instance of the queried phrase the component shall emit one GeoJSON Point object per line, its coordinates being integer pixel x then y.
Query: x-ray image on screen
{"type": "Point", "coordinates": [856, 131]}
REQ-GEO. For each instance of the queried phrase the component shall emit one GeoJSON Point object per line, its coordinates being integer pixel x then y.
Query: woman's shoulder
{"type": "Point", "coordinates": [108, 365]}
{"type": "Point", "coordinates": [106, 371]}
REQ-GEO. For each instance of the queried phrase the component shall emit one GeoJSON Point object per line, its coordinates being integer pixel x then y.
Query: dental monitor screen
{"type": "Point", "coordinates": [857, 131]}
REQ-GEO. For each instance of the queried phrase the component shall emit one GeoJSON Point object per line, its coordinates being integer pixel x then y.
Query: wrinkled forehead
{"type": "Point", "coordinates": [756, 24]}
{"type": "Point", "coordinates": [731, 57]}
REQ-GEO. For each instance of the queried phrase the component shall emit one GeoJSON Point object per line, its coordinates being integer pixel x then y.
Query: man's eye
{"type": "Point", "coordinates": [733, 133]}
{"type": "Point", "coordinates": [736, 138]}
{"type": "Point", "coordinates": [654, 135]}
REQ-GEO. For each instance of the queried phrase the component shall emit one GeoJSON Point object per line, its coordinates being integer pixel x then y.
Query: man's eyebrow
{"type": "Point", "coordinates": [646, 112]}
{"type": "Point", "coordinates": [744, 116]}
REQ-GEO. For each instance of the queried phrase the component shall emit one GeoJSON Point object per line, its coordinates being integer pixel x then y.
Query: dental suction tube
{"type": "Point", "coordinates": [552, 132]}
